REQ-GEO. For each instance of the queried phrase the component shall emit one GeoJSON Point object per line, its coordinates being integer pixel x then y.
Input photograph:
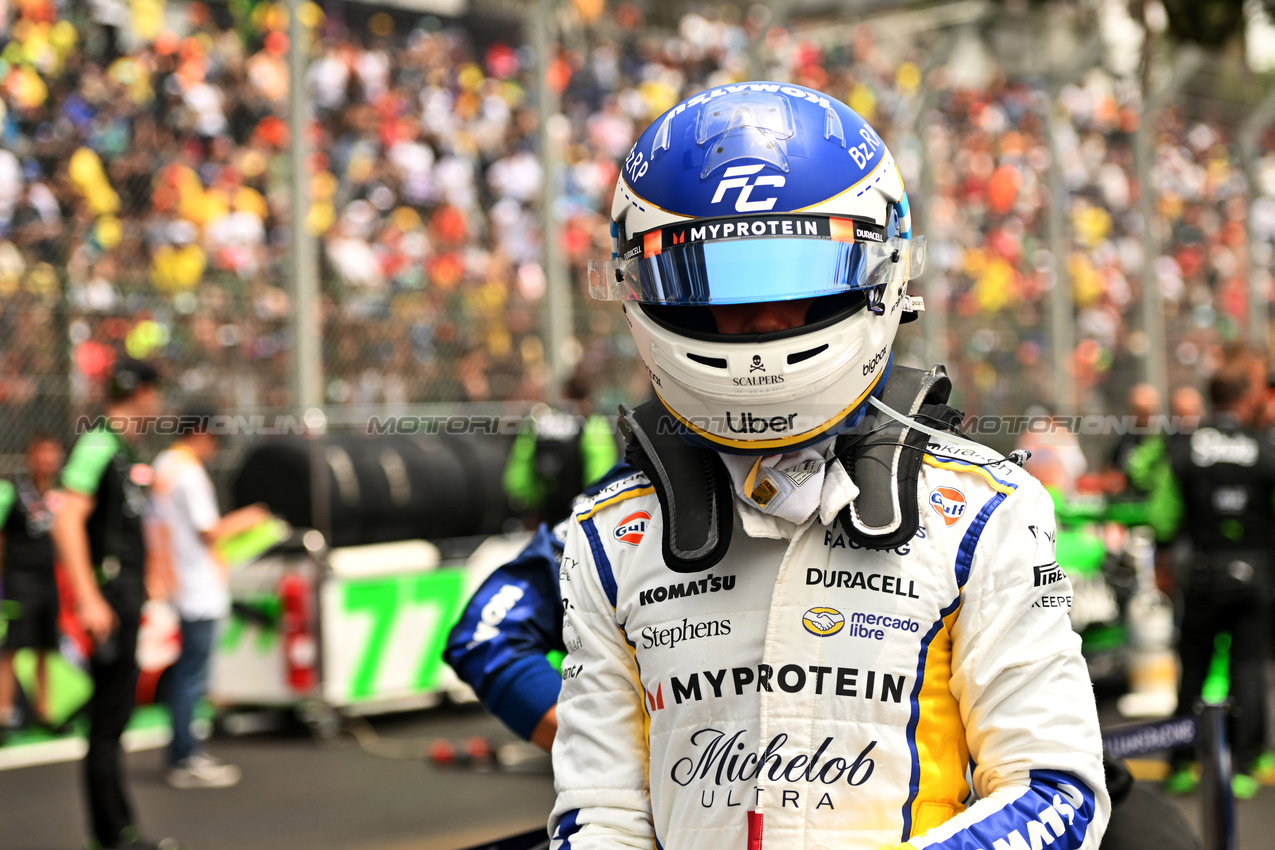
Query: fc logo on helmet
{"type": "Point", "coordinates": [948, 502]}
{"type": "Point", "coordinates": [739, 178]}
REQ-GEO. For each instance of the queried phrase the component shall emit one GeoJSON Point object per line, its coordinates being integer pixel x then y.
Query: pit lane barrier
{"type": "Point", "coordinates": [1206, 729]}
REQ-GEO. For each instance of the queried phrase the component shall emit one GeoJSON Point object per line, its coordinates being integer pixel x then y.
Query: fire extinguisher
{"type": "Point", "coordinates": [300, 650]}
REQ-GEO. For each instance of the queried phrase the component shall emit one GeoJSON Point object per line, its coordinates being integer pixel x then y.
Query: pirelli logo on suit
{"type": "Point", "coordinates": [1044, 575]}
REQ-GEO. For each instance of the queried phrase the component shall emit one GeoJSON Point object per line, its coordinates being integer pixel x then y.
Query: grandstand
{"type": "Point", "coordinates": [144, 202]}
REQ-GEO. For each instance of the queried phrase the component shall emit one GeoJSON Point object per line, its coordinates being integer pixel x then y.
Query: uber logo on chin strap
{"type": "Point", "coordinates": [750, 424]}
{"type": "Point", "coordinates": [738, 178]}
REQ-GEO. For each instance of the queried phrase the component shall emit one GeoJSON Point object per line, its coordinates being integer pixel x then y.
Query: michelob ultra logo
{"type": "Point", "coordinates": [823, 621]}
{"type": "Point", "coordinates": [948, 502]}
{"type": "Point", "coordinates": [632, 528]}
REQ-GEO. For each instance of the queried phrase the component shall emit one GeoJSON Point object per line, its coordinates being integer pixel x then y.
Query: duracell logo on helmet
{"type": "Point", "coordinates": [868, 232]}
{"type": "Point", "coordinates": [848, 230]}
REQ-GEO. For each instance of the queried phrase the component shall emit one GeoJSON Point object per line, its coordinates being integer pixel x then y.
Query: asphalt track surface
{"type": "Point", "coordinates": [298, 793]}
{"type": "Point", "coordinates": [379, 794]}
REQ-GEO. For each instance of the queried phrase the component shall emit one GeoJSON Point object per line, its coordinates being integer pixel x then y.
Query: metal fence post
{"type": "Point", "coordinates": [558, 325]}
{"type": "Point", "coordinates": [1155, 365]}
{"type": "Point", "coordinates": [307, 328]}
{"type": "Point", "coordinates": [1250, 136]}
{"type": "Point", "coordinates": [1062, 319]}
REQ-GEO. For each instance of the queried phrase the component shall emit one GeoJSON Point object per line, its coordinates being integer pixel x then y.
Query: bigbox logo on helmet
{"type": "Point", "coordinates": [754, 193]}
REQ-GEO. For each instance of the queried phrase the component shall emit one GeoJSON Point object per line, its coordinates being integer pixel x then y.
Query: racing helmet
{"type": "Point", "coordinates": [751, 193]}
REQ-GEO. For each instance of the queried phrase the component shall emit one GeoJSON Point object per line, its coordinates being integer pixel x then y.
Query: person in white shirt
{"type": "Point", "coordinates": [190, 525]}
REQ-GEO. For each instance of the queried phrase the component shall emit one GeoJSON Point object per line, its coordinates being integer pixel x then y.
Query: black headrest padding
{"type": "Point", "coordinates": [886, 463]}
{"type": "Point", "coordinates": [691, 483]}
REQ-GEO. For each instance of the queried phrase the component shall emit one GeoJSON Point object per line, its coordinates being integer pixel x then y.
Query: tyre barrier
{"type": "Point", "coordinates": [381, 488]}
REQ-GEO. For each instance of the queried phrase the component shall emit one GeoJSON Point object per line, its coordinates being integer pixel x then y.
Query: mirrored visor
{"type": "Point", "coordinates": [762, 258]}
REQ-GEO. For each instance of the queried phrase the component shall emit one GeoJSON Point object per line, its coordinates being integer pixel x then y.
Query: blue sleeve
{"type": "Point", "coordinates": [1057, 808]}
{"type": "Point", "coordinates": [499, 645]}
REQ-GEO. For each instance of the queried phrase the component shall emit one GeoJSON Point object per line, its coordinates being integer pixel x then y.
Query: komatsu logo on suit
{"type": "Point", "coordinates": [707, 584]}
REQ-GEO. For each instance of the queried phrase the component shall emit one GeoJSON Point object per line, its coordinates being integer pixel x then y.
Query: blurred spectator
{"type": "Point", "coordinates": [186, 510]}
{"type": "Point", "coordinates": [1056, 459]}
{"type": "Point", "coordinates": [1144, 402]}
{"type": "Point", "coordinates": [26, 569]}
{"type": "Point", "coordinates": [1186, 403]}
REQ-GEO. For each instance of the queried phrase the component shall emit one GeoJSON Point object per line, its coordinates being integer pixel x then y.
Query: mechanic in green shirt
{"type": "Point", "coordinates": [100, 537]}
{"type": "Point", "coordinates": [1215, 488]}
{"type": "Point", "coordinates": [26, 567]}
{"type": "Point", "coordinates": [558, 453]}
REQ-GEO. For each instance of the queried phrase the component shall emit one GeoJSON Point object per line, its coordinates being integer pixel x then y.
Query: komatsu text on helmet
{"type": "Point", "coordinates": [760, 192]}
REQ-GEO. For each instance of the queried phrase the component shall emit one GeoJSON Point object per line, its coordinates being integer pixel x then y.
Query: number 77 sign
{"type": "Point", "coordinates": [383, 637]}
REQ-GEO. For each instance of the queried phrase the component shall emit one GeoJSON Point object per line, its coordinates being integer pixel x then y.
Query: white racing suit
{"type": "Point", "coordinates": [805, 693]}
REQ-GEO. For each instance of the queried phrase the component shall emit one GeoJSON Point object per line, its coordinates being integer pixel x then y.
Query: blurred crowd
{"type": "Point", "coordinates": [144, 185]}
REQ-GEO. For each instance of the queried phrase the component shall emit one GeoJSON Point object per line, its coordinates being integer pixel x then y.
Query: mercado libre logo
{"type": "Point", "coordinates": [949, 503]}
{"type": "Point", "coordinates": [823, 622]}
{"type": "Point", "coordinates": [632, 528]}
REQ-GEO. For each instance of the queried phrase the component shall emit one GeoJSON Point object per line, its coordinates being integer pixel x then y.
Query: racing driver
{"type": "Point", "coordinates": [807, 614]}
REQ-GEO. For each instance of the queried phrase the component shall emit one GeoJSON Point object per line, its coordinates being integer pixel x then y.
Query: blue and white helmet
{"type": "Point", "coordinates": [761, 192]}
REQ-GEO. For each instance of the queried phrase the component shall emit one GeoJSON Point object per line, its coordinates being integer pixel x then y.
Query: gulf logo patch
{"type": "Point", "coordinates": [949, 503]}
{"type": "Point", "coordinates": [823, 621]}
{"type": "Point", "coordinates": [632, 528]}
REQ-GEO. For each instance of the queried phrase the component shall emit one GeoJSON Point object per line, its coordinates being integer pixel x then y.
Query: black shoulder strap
{"type": "Point", "coordinates": [691, 482]}
{"type": "Point", "coordinates": [886, 463]}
